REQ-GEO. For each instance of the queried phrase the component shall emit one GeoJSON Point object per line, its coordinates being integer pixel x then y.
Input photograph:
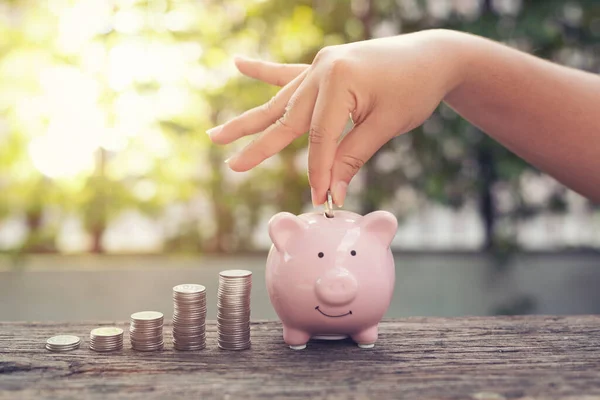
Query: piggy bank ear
{"type": "Point", "coordinates": [382, 224]}
{"type": "Point", "coordinates": [283, 226]}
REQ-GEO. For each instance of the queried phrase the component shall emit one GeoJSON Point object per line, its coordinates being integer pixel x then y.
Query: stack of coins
{"type": "Point", "coordinates": [233, 309]}
{"type": "Point", "coordinates": [106, 339]}
{"type": "Point", "coordinates": [189, 317]}
{"type": "Point", "coordinates": [146, 331]}
{"type": "Point", "coordinates": [62, 343]}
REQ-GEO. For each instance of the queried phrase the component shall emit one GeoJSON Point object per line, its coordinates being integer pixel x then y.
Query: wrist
{"type": "Point", "coordinates": [453, 51]}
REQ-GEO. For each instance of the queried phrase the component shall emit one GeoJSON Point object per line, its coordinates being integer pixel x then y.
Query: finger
{"type": "Point", "coordinates": [294, 123]}
{"type": "Point", "coordinates": [332, 109]}
{"type": "Point", "coordinates": [258, 118]}
{"type": "Point", "coordinates": [269, 72]}
{"type": "Point", "coordinates": [353, 152]}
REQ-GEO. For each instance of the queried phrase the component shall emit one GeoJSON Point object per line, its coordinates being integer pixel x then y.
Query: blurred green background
{"type": "Point", "coordinates": [104, 107]}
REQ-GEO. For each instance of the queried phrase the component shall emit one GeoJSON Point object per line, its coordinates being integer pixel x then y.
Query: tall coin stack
{"type": "Point", "coordinates": [106, 339]}
{"type": "Point", "coordinates": [189, 317]}
{"type": "Point", "coordinates": [146, 331]}
{"type": "Point", "coordinates": [233, 309]}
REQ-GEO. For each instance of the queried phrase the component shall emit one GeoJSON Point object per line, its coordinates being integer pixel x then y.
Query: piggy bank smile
{"type": "Point", "coordinates": [332, 316]}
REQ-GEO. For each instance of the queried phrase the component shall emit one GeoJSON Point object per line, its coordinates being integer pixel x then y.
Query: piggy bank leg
{"type": "Point", "coordinates": [366, 339]}
{"type": "Point", "coordinates": [295, 338]}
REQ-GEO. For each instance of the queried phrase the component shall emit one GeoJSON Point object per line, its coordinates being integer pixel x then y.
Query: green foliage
{"type": "Point", "coordinates": [145, 79]}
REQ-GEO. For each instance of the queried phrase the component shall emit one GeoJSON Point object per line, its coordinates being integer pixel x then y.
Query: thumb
{"type": "Point", "coordinates": [353, 152]}
{"type": "Point", "coordinates": [269, 72]}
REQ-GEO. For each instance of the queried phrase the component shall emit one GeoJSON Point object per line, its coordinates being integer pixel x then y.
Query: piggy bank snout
{"type": "Point", "coordinates": [337, 287]}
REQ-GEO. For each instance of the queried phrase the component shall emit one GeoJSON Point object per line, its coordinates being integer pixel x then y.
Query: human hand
{"type": "Point", "coordinates": [388, 86]}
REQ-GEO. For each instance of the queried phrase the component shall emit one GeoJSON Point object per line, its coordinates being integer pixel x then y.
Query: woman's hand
{"type": "Point", "coordinates": [388, 86]}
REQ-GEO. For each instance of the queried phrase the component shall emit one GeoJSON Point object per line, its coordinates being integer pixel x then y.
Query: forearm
{"type": "Point", "coordinates": [545, 113]}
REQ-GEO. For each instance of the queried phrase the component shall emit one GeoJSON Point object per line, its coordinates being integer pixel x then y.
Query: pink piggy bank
{"type": "Point", "coordinates": [329, 278]}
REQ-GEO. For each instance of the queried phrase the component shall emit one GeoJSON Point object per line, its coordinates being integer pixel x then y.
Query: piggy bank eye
{"type": "Point", "coordinates": [321, 255]}
{"type": "Point", "coordinates": [353, 252]}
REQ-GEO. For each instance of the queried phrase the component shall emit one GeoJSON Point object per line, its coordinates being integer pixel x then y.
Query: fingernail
{"type": "Point", "coordinates": [214, 131]}
{"type": "Point", "coordinates": [313, 195]}
{"type": "Point", "coordinates": [229, 159]}
{"type": "Point", "coordinates": [339, 193]}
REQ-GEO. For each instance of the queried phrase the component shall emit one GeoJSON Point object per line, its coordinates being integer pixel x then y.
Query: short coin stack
{"type": "Point", "coordinates": [146, 331]}
{"type": "Point", "coordinates": [189, 317]}
{"type": "Point", "coordinates": [233, 309]}
{"type": "Point", "coordinates": [62, 343]}
{"type": "Point", "coordinates": [106, 339]}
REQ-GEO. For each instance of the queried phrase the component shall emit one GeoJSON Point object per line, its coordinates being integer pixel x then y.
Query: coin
{"type": "Point", "coordinates": [189, 317]}
{"type": "Point", "coordinates": [146, 331]}
{"type": "Point", "coordinates": [188, 289]}
{"type": "Point", "coordinates": [236, 273]}
{"type": "Point", "coordinates": [107, 331]}
{"type": "Point", "coordinates": [105, 339]}
{"type": "Point", "coordinates": [147, 316]}
{"type": "Point", "coordinates": [62, 343]}
{"type": "Point", "coordinates": [233, 309]}
{"type": "Point", "coordinates": [329, 205]}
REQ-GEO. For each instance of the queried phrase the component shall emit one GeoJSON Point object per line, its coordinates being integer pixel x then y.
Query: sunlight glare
{"type": "Point", "coordinates": [82, 22]}
{"type": "Point", "coordinates": [76, 123]}
{"type": "Point", "coordinates": [129, 21]}
{"type": "Point", "coordinates": [133, 112]}
{"type": "Point", "coordinates": [57, 159]}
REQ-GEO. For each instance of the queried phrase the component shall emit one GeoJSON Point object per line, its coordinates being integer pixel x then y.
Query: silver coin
{"type": "Point", "coordinates": [147, 316]}
{"type": "Point", "coordinates": [189, 288]}
{"type": "Point", "coordinates": [189, 322]}
{"type": "Point", "coordinates": [235, 273]}
{"type": "Point", "coordinates": [228, 346]}
{"type": "Point", "coordinates": [232, 301]}
{"type": "Point", "coordinates": [186, 347]}
{"type": "Point", "coordinates": [233, 315]}
{"type": "Point", "coordinates": [329, 205]}
{"type": "Point", "coordinates": [199, 317]}
{"type": "Point", "coordinates": [139, 345]}
{"type": "Point", "coordinates": [189, 314]}
{"type": "Point", "coordinates": [195, 301]}
{"type": "Point", "coordinates": [238, 341]}
{"type": "Point", "coordinates": [61, 349]}
{"type": "Point", "coordinates": [190, 340]}
{"type": "Point", "coordinates": [105, 342]}
{"type": "Point", "coordinates": [232, 286]}
{"type": "Point", "coordinates": [139, 330]}
{"type": "Point", "coordinates": [185, 332]}
{"type": "Point", "coordinates": [189, 328]}
{"type": "Point", "coordinates": [61, 341]}
{"type": "Point", "coordinates": [194, 319]}
{"type": "Point", "coordinates": [196, 341]}
{"type": "Point", "coordinates": [197, 321]}
{"type": "Point", "coordinates": [101, 342]}
{"type": "Point", "coordinates": [107, 331]}
{"type": "Point", "coordinates": [147, 324]}
{"type": "Point", "coordinates": [148, 348]}
{"type": "Point", "coordinates": [178, 304]}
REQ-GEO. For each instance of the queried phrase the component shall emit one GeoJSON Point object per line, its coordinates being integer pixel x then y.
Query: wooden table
{"type": "Point", "coordinates": [458, 358]}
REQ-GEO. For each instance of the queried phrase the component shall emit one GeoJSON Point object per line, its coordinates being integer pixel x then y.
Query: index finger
{"type": "Point", "coordinates": [330, 116]}
{"type": "Point", "coordinates": [269, 72]}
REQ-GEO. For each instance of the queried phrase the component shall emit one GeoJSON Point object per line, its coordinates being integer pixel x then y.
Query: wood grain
{"type": "Point", "coordinates": [415, 358]}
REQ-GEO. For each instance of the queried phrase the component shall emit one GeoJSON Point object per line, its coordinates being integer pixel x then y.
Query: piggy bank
{"type": "Point", "coordinates": [330, 278]}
